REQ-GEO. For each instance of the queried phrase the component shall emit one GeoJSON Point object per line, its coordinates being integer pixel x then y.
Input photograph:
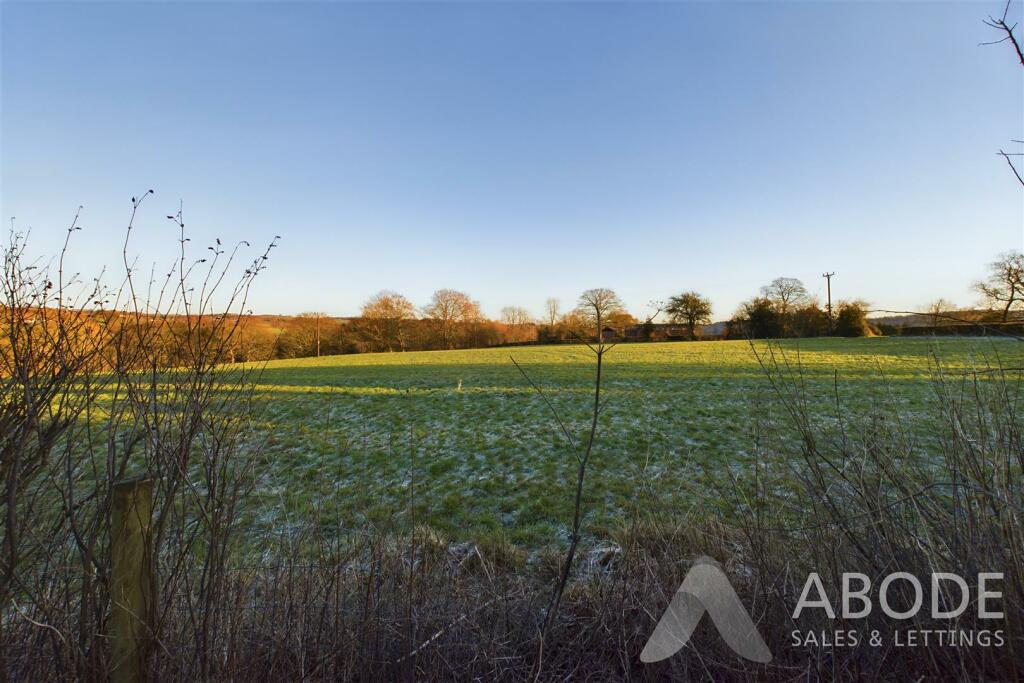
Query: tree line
{"type": "Point", "coordinates": [389, 322]}
{"type": "Point", "coordinates": [452, 319]}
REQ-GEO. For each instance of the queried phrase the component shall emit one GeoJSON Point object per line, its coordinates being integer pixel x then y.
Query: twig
{"type": "Point", "coordinates": [1001, 25]}
{"type": "Point", "coordinates": [1012, 167]}
{"type": "Point", "coordinates": [544, 396]}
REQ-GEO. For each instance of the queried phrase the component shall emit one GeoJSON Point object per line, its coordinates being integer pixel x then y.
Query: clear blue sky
{"type": "Point", "coordinates": [524, 150]}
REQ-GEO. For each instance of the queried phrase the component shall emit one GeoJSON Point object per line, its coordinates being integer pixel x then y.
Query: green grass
{"type": "Point", "coordinates": [380, 437]}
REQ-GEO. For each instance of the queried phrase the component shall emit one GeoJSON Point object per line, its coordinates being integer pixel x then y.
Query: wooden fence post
{"type": "Point", "coordinates": [132, 581]}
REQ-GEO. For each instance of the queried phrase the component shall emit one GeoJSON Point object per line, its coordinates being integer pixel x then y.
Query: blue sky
{"type": "Point", "coordinates": [524, 150]}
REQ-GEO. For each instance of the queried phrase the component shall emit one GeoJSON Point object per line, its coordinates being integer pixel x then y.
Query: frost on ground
{"type": "Point", "coordinates": [459, 441]}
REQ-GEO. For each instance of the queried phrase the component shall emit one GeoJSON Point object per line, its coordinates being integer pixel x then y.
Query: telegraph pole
{"type": "Point", "coordinates": [318, 334]}
{"type": "Point", "coordinates": [828, 288]}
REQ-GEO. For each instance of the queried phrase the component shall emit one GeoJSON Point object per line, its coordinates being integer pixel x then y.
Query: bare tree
{"type": "Point", "coordinates": [785, 292]}
{"type": "Point", "coordinates": [938, 307]}
{"type": "Point", "coordinates": [515, 316]}
{"type": "Point", "coordinates": [386, 316]}
{"type": "Point", "coordinates": [690, 308]}
{"type": "Point", "coordinates": [1004, 288]}
{"type": "Point", "coordinates": [551, 311]}
{"type": "Point", "coordinates": [450, 309]}
{"type": "Point", "coordinates": [596, 306]}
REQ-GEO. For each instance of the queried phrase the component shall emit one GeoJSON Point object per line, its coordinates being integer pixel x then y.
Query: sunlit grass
{"type": "Point", "coordinates": [458, 440]}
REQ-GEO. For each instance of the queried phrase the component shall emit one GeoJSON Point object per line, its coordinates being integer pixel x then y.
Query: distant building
{"type": "Point", "coordinates": [662, 332]}
{"type": "Point", "coordinates": [671, 331]}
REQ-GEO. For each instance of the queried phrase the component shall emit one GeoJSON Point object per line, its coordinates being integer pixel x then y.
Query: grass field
{"type": "Point", "coordinates": [459, 441]}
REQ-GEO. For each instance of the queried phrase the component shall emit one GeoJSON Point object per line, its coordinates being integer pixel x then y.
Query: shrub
{"type": "Point", "coordinates": [852, 320]}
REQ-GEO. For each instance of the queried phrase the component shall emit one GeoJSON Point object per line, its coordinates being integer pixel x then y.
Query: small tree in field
{"type": "Point", "coordinates": [689, 308]}
{"type": "Point", "coordinates": [595, 306]}
{"type": "Point", "coordinates": [1004, 288]}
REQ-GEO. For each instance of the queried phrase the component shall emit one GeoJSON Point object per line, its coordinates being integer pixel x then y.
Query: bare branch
{"type": "Point", "coordinates": [544, 396]}
{"type": "Point", "coordinates": [1000, 24]}
{"type": "Point", "coordinates": [1012, 167]}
